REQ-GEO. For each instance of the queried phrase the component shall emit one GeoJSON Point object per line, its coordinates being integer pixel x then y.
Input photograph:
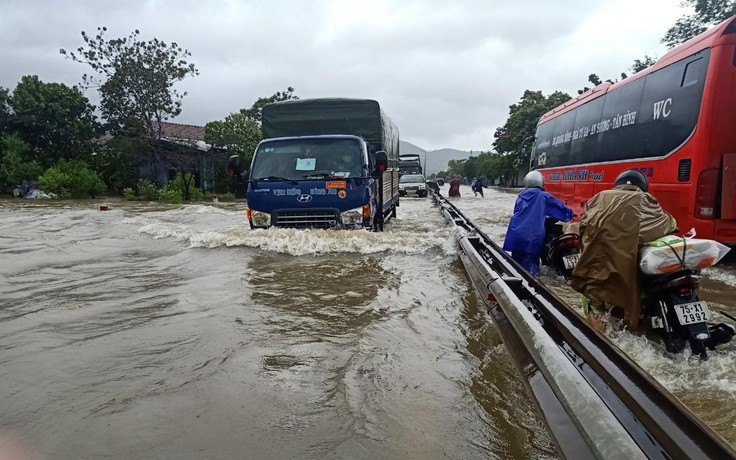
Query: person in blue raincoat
{"type": "Point", "coordinates": [525, 235]}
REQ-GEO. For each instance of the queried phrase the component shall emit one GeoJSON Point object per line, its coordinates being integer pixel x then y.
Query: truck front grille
{"type": "Point", "coordinates": [306, 218]}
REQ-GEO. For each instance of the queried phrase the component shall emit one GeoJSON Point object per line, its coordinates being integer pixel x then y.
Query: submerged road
{"type": "Point", "coordinates": [155, 332]}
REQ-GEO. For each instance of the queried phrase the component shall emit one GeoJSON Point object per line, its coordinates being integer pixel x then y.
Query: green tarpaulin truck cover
{"type": "Point", "coordinates": [311, 117]}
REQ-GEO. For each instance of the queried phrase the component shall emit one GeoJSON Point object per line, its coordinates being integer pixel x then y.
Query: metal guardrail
{"type": "Point", "coordinates": [595, 400]}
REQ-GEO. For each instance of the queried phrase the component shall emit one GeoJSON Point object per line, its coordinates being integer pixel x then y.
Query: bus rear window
{"type": "Point", "coordinates": [694, 71]}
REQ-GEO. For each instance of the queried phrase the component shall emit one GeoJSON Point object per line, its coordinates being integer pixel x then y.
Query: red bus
{"type": "Point", "coordinates": [674, 121]}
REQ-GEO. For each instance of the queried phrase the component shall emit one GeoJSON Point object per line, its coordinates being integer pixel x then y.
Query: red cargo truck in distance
{"type": "Point", "coordinates": [674, 121]}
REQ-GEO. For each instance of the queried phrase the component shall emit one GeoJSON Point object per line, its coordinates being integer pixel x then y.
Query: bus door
{"type": "Point", "coordinates": [728, 190]}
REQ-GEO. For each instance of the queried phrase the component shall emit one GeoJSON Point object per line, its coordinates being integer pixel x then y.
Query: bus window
{"type": "Point", "coordinates": [559, 151]}
{"type": "Point", "coordinates": [618, 136]}
{"type": "Point", "coordinates": [694, 72]}
{"type": "Point", "coordinates": [584, 146]}
{"type": "Point", "coordinates": [669, 111]}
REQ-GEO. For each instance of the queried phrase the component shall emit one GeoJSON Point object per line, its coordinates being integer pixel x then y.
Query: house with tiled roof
{"type": "Point", "coordinates": [182, 147]}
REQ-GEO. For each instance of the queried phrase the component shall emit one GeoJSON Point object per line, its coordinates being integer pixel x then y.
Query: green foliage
{"type": "Point", "coordinates": [14, 167]}
{"type": "Point", "coordinates": [147, 190]}
{"type": "Point", "coordinates": [175, 191]}
{"type": "Point", "coordinates": [170, 196]}
{"type": "Point", "coordinates": [71, 179]}
{"type": "Point", "coordinates": [5, 112]}
{"type": "Point", "coordinates": [237, 133]}
{"type": "Point", "coordinates": [183, 185]}
{"type": "Point", "coordinates": [113, 162]}
{"type": "Point", "coordinates": [707, 13]}
{"type": "Point", "coordinates": [54, 119]}
{"type": "Point", "coordinates": [489, 165]}
{"type": "Point", "coordinates": [240, 132]}
{"type": "Point", "coordinates": [226, 197]}
{"type": "Point", "coordinates": [255, 111]}
{"type": "Point", "coordinates": [523, 118]}
{"type": "Point", "coordinates": [135, 79]}
{"type": "Point", "coordinates": [641, 64]}
{"type": "Point", "coordinates": [593, 79]}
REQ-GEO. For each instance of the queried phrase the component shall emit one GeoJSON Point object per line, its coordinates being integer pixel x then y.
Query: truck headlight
{"type": "Point", "coordinates": [401, 186]}
{"type": "Point", "coordinates": [352, 217]}
{"type": "Point", "coordinates": [422, 186]}
{"type": "Point", "coordinates": [260, 219]}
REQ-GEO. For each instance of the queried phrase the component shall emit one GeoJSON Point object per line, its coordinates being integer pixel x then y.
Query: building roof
{"type": "Point", "coordinates": [179, 131]}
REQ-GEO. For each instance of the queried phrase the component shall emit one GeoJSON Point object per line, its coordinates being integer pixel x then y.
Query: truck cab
{"type": "Point", "coordinates": [311, 181]}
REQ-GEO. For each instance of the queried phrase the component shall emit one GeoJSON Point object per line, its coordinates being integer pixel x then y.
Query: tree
{"type": "Point", "coordinates": [114, 163]}
{"type": "Point", "coordinates": [240, 132]}
{"type": "Point", "coordinates": [255, 111]}
{"type": "Point", "coordinates": [4, 109]}
{"type": "Point", "coordinates": [707, 13]}
{"type": "Point", "coordinates": [56, 120]}
{"type": "Point", "coordinates": [15, 167]}
{"type": "Point", "coordinates": [513, 137]}
{"type": "Point", "coordinates": [641, 64]}
{"type": "Point", "coordinates": [237, 133]}
{"type": "Point", "coordinates": [71, 179]}
{"type": "Point", "coordinates": [523, 119]}
{"type": "Point", "coordinates": [135, 79]}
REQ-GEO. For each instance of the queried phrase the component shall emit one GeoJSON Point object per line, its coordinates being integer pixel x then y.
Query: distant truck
{"type": "Point", "coordinates": [410, 164]}
{"type": "Point", "coordinates": [324, 163]}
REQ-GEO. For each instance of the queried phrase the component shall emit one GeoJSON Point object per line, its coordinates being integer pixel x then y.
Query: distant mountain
{"type": "Point", "coordinates": [407, 148]}
{"type": "Point", "coordinates": [436, 159]}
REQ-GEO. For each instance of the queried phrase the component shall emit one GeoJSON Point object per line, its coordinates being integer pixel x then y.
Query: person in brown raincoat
{"type": "Point", "coordinates": [454, 187]}
{"type": "Point", "coordinates": [615, 225]}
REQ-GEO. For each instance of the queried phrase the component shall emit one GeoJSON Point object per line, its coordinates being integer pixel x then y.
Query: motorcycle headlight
{"type": "Point", "coordinates": [260, 219]}
{"type": "Point", "coordinates": [352, 217]}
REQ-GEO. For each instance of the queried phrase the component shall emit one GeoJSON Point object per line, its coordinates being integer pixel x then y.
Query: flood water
{"type": "Point", "coordinates": [154, 331]}
{"type": "Point", "coordinates": [707, 388]}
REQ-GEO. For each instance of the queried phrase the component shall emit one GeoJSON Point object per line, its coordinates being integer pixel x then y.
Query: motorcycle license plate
{"type": "Point", "coordinates": [692, 313]}
{"type": "Point", "coordinates": [570, 261]}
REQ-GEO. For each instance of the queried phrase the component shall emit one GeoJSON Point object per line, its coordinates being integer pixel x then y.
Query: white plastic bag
{"type": "Point", "coordinates": [672, 253]}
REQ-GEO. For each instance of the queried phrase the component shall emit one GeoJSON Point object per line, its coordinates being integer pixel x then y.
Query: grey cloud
{"type": "Point", "coordinates": [446, 72]}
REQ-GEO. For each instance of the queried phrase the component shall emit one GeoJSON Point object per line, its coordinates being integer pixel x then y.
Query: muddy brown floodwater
{"type": "Point", "coordinates": [707, 388]}
{"type": "Point", "coordinates": [153, 331]}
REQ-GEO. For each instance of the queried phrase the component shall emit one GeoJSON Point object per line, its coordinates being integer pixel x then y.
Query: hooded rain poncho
{"type": "Point", "coordinates": [615, 225]}
{"type": "Point", "coordinates": [526, 228]}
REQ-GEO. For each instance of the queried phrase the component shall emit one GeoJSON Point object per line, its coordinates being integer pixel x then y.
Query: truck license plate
{"type": "Point", "coordinates": [692, 312]}
{"type": "Point", "coordinates": [570, 261]}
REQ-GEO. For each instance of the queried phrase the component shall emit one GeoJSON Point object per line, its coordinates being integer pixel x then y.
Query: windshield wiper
{"type": "Point", "coordinates": [277, 178]}
{"type": "Point", "coordinates": [322, 175]}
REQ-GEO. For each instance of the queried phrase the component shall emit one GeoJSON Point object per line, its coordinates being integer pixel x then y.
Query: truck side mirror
{"type": "Point", "coordinates": [233, 166]}
{"type": "Point", "coordinates": [381, 162]}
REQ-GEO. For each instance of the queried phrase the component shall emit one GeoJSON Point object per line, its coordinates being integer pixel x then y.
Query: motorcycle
{"type": "Point", "coordinates": [561, 250]}
{"type": "Point", "coordinates": [673, 309]}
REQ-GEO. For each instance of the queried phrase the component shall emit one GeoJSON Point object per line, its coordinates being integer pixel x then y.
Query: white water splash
{"type": "Point", "coordinates": [418, 229]}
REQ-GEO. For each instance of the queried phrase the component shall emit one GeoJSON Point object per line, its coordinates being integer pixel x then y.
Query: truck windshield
{"type": "Point", "coordinates": [298, 159]}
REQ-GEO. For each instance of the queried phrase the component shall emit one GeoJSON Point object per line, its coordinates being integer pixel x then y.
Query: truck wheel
{"type": "Point", "coordinates": [393, 211]}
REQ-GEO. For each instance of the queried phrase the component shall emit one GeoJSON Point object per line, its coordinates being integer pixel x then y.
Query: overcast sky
{"type": "Point", "coordinates": [444, 71]}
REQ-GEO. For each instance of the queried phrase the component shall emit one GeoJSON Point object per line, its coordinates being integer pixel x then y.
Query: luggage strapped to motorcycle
{"type": "Point", "coordinates": [684, 251]}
